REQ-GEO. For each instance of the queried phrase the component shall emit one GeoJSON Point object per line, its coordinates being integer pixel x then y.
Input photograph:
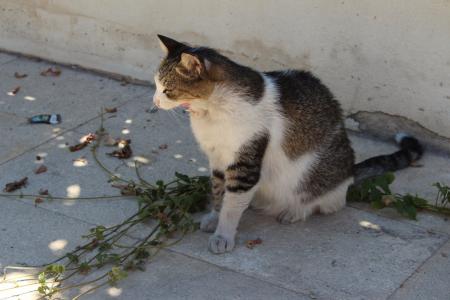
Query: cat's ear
{"type": "Point", "coordinates": [168, 45]}
{"type": "Point", "coordinates": [191, 66]}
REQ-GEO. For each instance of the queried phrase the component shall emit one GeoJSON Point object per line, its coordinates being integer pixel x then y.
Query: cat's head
{"type": "Point", "coordinates": [187, 75]}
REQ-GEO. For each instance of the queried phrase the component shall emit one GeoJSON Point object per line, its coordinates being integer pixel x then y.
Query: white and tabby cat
{"type": "Point", "coordinates": [275, 140]}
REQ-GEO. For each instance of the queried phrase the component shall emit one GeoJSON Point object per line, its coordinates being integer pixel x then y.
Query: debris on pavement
{"type": "Point", "coordinates": [14, 91]}
{"type": "Point", "coordinates": [125, 189]}
{"type": "Point", "coordinates": [85, 140]}
{"type": "Point", "coordinates": [152, 110]}
{"type": "Point", "coordinates": [88, 138]}
{"type": "Point", "coordinates": [51, 72]}
{"type": "Point", "coordinates": [20, 76]}
{"type": "Point", "coordinates": [124, 151]}
{"type": "Point", "coordinates": [12, 186]}
{"type": "Point", "coordinates": [80, 162]}
{"type": "Point", "coordinates": [46, 119]}
{"type": "Point", "coordinates": [250, 244]}
{"type": "Point", "coordinates": [163, 146]}
{"type": "Point", "coordinates": [125, 80]}
{"type": "Point", "coordinates": [111, 110]}
{"type": "Point", "coordinates": [40, 169]}
{"type": "Point", "coordinates": [43, 192]}
{"type": "Point", "coordinates": [38, 157]}
{"type": "Point", "coordinates": [38, 201]}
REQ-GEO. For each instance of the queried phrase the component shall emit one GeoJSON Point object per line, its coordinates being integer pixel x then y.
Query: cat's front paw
{"type": "Point", "coordinates": [219, 244]}
{"type": "Point", "coordinates": [209, 222]}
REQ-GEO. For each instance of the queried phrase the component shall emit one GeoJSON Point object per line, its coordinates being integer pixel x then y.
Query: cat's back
{"type": "Point", "coordinates": [311, 111]}
{"type": "Point", "coordinates": [299, 86]}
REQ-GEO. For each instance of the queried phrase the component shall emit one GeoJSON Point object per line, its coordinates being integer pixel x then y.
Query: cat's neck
{"type": "Point", "coordinates": [231, 96]}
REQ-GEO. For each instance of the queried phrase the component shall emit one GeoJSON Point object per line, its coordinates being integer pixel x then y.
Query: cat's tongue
{"type": "Point", "coordinates": [185, 105]}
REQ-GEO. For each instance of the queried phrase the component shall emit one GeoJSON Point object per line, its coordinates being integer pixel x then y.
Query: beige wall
{"type": "Point", "coordinates": [379, 55]}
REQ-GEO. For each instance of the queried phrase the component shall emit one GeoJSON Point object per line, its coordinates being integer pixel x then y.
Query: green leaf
{"type": "Point", "coordinates": [141, 253]}
{"type": "Point", "coordinates": [72, 258]}
{"type": "Point", "coordinates": [183, 177]}
{"type": "Point", "coordinates": [55, 269]}
{"type": "Point", "coordinates": [116, 274]}
{"type": "Point", "coordinates": [42, 278]}
{"type": "Point", "coordinates": [84, 268]}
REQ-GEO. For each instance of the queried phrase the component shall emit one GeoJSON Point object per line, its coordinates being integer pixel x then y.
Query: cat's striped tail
{"type": "Point", "coordinates": [410, 151]}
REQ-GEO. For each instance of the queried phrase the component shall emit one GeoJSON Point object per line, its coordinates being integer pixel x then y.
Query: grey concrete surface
{"type": "Point", "coordinates": [427, 282]}
{"type": "Point", "coordinates": [342, 256]}
{"type": "Point", "coordinates": [358, 253]}
{"type": "Point", "coordinates": [78, 97]}
{"type": "Point", "coordinates": [175, 276]}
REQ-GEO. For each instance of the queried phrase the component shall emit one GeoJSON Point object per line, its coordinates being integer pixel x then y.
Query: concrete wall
{"type": "Point", "coordinates": [378, 55]}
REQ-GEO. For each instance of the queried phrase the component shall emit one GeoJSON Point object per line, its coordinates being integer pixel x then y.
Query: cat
{"type": "Point", "coordinates": [274, 140]}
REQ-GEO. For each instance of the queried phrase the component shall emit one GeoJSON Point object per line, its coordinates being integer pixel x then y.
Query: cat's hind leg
{"type": "Point", "coordinates": [327, 203]}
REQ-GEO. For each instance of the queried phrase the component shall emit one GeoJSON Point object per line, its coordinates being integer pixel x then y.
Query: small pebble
{"type": "Point", "coordinates": [178, 156]}
{"type": "Point", "coordinates": [202, 169]}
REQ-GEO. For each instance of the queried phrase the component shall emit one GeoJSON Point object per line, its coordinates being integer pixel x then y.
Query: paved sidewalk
{"type": "Point", "coordinates": [357, 253]}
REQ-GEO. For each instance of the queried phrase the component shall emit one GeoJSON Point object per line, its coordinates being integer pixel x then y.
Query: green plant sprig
{"type": "Point", "coordinates": [168, 205]}
{"type": "Point", "coordinates": [377, 192]}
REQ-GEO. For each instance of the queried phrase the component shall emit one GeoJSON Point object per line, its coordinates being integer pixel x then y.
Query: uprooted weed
{"type": "Point", "coordinates": [166, 205]}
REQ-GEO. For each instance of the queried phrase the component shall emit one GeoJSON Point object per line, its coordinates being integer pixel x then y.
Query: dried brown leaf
{"type": "Point", "coordinates": [43, 192]}
{"type": "Point", "coordinates": [123, 153]}
{"type": "Point", "coordinates": [88, 138]}
{"type": "Point", "coordinates": [40, 169]}
{"type": "Point", "coordinates": [51, 72]}
{"type": "Point", "coordinates": [125, 190]}
{"type": "Point", "coordinates": [38, 201]}
{"type": "Point", "coordinates": [12, 186]}
{"type": "Point", "coordinates": [78, 147]}
{"type": "Point", "coordinates": [20, 76]}
{"type": "Point", "coordinates": [85, 140]}
{"type": "Point", "coordinates": [111, 110]}
{"type": "Point", "coordinates": [252, 243]}
{"type": "Point", "coordinates": [14, 91]}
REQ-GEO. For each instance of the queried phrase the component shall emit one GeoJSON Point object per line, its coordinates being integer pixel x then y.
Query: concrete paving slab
{"type": "Point", "coordinates": [430, 281]}
{"type": "Point", "coordinates": [349, 255]}
{"type": "Point", "coordinates": [21, 223]}
{"type": "Point", "coordinates": [77, 96]}
{"type": "Point", "coordinates": [32, 236]}
{"type": "Point", "coordinates": [174, 276]}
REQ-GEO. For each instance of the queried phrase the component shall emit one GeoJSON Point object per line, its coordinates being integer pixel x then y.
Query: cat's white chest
{"type": "Point", "coordinates": [219, 139]}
